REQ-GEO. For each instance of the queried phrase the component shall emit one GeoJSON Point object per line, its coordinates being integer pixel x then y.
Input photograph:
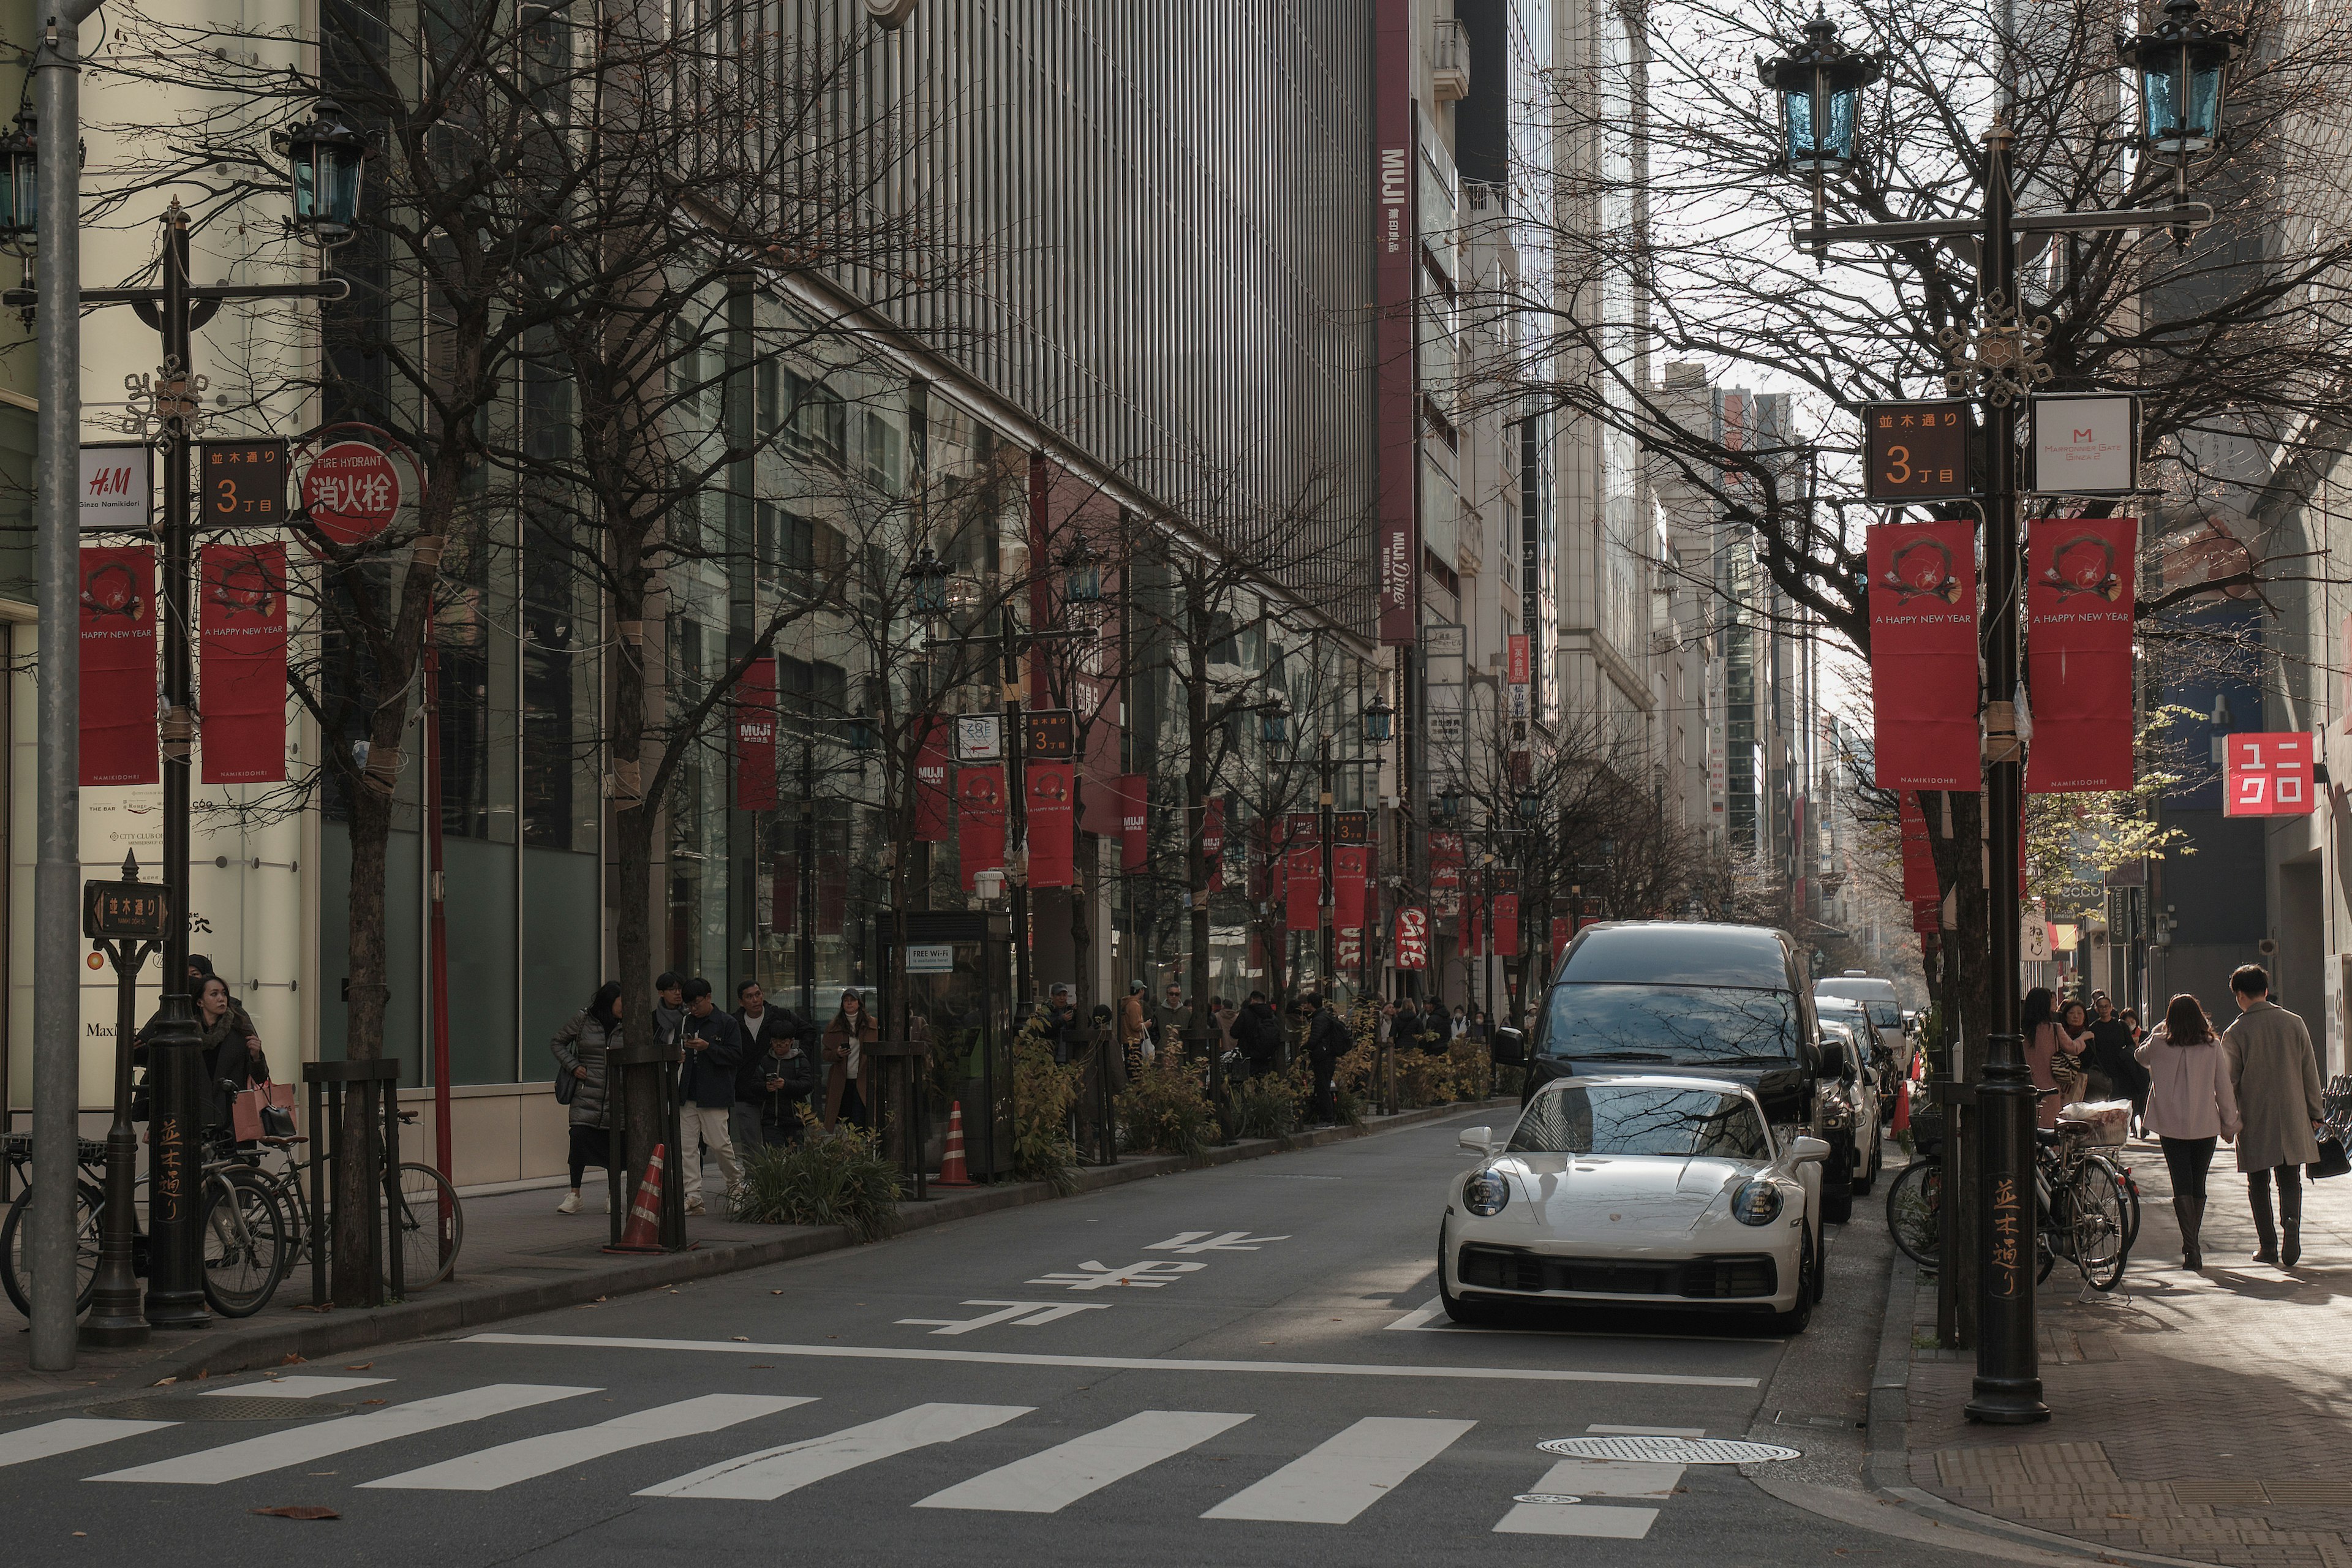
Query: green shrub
{"type": "Point", "coordinates": [1163, 1112]}
{"type": "Point", "coordinates": [840, 1180]}
{"type": "Point", "coordinates": [1044, 1091]}
{"type": "Point", "coordinates": [1272, 1104]}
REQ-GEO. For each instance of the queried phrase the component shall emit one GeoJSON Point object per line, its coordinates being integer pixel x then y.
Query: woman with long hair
{"type": "Point", "coordinates": [579, 1048]}
{"type": "Point", "coordinates": [845, 1038]}
{"type": "Point", "coordinates": [2190, 1105]}
{"type": "Point", "coordinates": [2048, 1048]}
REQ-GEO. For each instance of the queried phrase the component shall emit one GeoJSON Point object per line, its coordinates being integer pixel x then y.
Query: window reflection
{"type": "Point", "coordinates": [1679, 1123]}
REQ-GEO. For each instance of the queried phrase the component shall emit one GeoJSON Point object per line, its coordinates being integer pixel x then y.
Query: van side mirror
{"type": "Point", "coordinates": [1833, 1062]}
{"type": "Point", "coordinates": [1508, 1048]}
{"type": "Point", "coordinates": [1481, 1139]}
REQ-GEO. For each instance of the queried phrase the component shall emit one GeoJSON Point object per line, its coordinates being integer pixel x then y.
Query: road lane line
{"type": "Point", "coordinates": [294, 1388]}
{"type": "Point", "coordinates": [1051, 1480]}
{"type": "Point", "coordinates": [1427, 1313]}
{"type": "Point", "coordinates": [1592, 1478]}
{"type": "Point", "coordinates": [1116, 1364]}
{"type": "Point", "coordinates": [277, 1450]}
{"type": "Point", "coordinates": [65, 1437]}
{"type": "Point", "coordinates": [768, 1474]}
{"type": "Point", "coordinates": [1339, 1479]}
{"type": "Point", "coordinates": [528, 1458]}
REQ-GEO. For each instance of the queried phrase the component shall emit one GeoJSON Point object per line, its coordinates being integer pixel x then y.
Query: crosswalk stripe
{"type": "Point", "coordinates": [65, 1437]}
{"type": "Point", "coordinates": [1589, 1479]}
{"type": "Point", "coordinates": [1050, 1481]}
{"type": "Point", "coordinates": [528, 1458]}
{"type": "Point", "coordinates": [254, 1456]}
{"type": "Point", "coordinates": [771, 1473]}
{"type": "Point", "coordinates": [294, 1387]}
{"type": "Point", "coordinates": [1342, 1478]}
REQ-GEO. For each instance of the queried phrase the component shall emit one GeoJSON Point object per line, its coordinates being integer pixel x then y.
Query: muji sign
{"type": "Point", "coordinates": [2269, 776]}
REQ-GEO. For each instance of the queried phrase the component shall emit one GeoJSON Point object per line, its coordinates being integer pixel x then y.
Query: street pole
{"type": "Point", "coordinates": [804, 850]}
{"type": "Point", "coordinates": [2008, 1385]}
{"type": "Point", "coordinates": [1325, 911]}
{"type": "Point", "coordinates": [114, 1318]}
{"type": "Point", "coordinates": [56, 808]}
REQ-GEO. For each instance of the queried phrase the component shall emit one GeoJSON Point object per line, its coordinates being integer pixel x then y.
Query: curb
{"type": "Point", "coordinates": [232, 1351]}
{"type": "Point", "coordinates": [1888, 1470]}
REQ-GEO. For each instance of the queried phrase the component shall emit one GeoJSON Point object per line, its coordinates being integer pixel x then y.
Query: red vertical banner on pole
{"type": "Point", "coordinates": [1348, 862]}
{"type": "Point", "coordinates": [1134, 835]}
{"type": "Point", "coordinates": [1923, 654]}
{"type": "Point", "coordinates": [980, 821]}
{"type": "Point", "coordinates": [1412, 938]}
{"type": "Point", "coordinates": [1918, 855]}
{"type": "Point", "coordinates": [2081, 573]}
{"type": "Point", "coordinates": [242, 642]}
{"type": "Point", "coordinates": [1507, 925]}
{"type": "Point", "coordinates": [1560, 935]}
{"type": "Point", "coordinates": [1303, 872]}
{"type": "Point", "coordinates": [1212, 842]}
{"type": "Point", "coordinates": [932, 799]}
{"type": "Point", "coordinates": [1446, 862]}
{"type": "Point", "coordinates": [1053, 831]}
{"type": "Point", "coordinates": [116, 700]}
{"type": "Point", "coordinates": [755, 736]}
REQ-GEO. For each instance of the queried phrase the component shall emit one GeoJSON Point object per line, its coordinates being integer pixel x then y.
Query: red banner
{"type": "Point", "coordinates": [1213, 843]}
{"type": "Point", "coordinates": [242, 639]}
{"type": "Point", "coordinates": [1053, 856]}
{"type": "Point", "coordinates": [2081, 573]}
{"type": "Point", "coordinates": [117, 666]}
{"type": "Point", "coordinates": [1507, 925]}
{"type": "Point", "coordinates": [1445, 863]}
{"type": "Point", "coordinates": [1919, 854]}
{"type": "Point", "coordinates": [1923, 654]}
{"type": "Point", "coordinates": [1927, 915]}
{"type": "Point", "coordinates": [980, 821]}
{"type": "Point", "coordinates": [1560, 933]}
{"type": "Point", "coordinates": [1349, 865]}
{"type": "Point", "coordinates": [931, 795]}
{"type": "Point", "coordinates": [1303, 872]}
{"type": "Point", "coordinates": [755, 737]}
{"type": "Point", "coordinates": [1134, 836]}
{"type": "Point", "coordinates": [1413, 939]}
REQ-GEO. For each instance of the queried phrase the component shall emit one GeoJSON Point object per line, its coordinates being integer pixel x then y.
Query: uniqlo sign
{"type": "Point", "coordinates": [2269, 776]}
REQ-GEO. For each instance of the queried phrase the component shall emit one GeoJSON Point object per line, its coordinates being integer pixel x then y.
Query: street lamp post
{"type": "Point", "coordinates": [1820, 84]}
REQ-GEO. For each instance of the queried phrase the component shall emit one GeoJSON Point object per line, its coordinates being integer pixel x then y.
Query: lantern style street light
{"type": "Point", "coordinates": [325, 158]}
{"type": "Point", "coordinates": [1819, 83]}
{"type": "Point", "coordinates": [929, 574]}
{"type": "Point", "coordinates": [1530, 804]}
{"type": "Point", "coordinates": [1449, 803]}
{"type": "Point", "coordinates": [861, 732]}
{"type": "Point", "coordinates": [20, 186]}
{"type": "Point", "coordinates": [2183, 67]}
{"type": "Point", "coordinates": [1379, 722]}
{"type": "Point", "coordinates": [1274, 720]}
{"type": "Point", "coordinates": [1081, 573]}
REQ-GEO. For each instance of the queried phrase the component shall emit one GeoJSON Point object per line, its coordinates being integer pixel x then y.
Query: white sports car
{"type": "Point", "coordinates": [1637, 1191]}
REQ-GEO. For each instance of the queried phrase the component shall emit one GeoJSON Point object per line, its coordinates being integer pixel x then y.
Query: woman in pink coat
{"type": "Point", "coordinates": [2190, 1105]}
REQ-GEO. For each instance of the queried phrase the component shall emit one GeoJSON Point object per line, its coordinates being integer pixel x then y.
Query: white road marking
{"type": "Point", "coordinates": [1425, 1317]}
{"type": "Point", "coordinates": [1116, 1364]}
{"type": "Point", "coordinates": [1338, 1479]}
{"type": "Point", "coordinates": [277, 1450]}
{"type": "Point", "coordinates": [1050, 1481]}
{"type": "Point", "coordinates": [294, 1387]}
{"type": "Point", "coordinates": [1149, 1275]}
{"type": "Point", "coordinates": [528, 1458]}
{"type": "Point", "coordinates": [1204, 1241]}
{"type": "Point", "coordinates": [65, 1437]}
{"type": "Point", "coordinates": [1592, 1478]}
{"type": "Point", "coordinates": [1020, 1314]}
{"type": "Point", "coordinates": [1427, 1313]}
{"type": "Point", "coordinates": [768, 1474]}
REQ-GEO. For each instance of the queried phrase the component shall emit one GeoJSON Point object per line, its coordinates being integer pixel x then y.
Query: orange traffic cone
{"type": "Point", "coordinates": [1903, 1107]}
{"type": "Point", "coordinates": [952, 1171]}
{"type": "Point", "coordinates": [642, 1233]}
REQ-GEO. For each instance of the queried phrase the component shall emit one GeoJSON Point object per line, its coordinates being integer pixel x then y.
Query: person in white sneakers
{"type": "Point", "coordinates": [578, 1049]}
{"type": "Point", "coordinates": [711, 1044]}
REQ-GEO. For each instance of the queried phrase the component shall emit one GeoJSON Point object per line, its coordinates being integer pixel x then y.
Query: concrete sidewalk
{"type": "Point", "coordinates": [521, 1257]}
{"type": "Point", "coordinates": [2193, 1418]}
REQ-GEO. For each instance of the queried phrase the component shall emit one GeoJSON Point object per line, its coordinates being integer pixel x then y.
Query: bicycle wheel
{"type": "Point", "coordinates": [2096, 1215]}
{"type": "Point", "coordinates": [1915, 1211]}
{"type": "Point", "coordinates": [429, 1251]}
{"type": "Point", "coordinates": [2126, 1193]}
{"type": "Point", "coordinates": [15, 1268]}
{"type": "Point", "coordinates": [245, 1242]}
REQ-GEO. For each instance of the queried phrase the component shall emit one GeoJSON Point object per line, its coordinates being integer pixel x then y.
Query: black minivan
{"type": "Point", "coordinates": [1724, 1000]}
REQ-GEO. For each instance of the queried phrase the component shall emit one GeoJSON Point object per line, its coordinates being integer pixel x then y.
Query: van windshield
{"type": "Point", "coordinates": [1679, 1023]}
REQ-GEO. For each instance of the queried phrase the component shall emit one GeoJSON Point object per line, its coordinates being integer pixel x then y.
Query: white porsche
{"type": "Point", "coordinates": [1637, 1191]}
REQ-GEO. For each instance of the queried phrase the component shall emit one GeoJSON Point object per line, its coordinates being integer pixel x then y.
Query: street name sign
{"type": "Point", "coordinates": [1916, 451]}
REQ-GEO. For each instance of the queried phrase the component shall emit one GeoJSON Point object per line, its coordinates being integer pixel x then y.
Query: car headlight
{"type": "Point", "coordinates": [1485, 1194]}
{"type": "Point", "coordinates": [1757, 1203]}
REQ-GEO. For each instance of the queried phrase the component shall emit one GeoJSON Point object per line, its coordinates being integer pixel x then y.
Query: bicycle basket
{"type": "Point", "coordinates": [2104, 1123]}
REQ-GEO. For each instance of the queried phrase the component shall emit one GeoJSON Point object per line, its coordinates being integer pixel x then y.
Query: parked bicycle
{"type": "Point", "coordinates": [413, 1220]}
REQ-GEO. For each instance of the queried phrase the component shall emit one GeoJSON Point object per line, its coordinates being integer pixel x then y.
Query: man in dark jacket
{"type": "Point", "coordinates": [711, 1044]}
{"type": "Point", "coordinates": [776, 1071]}
{"type": "Point", "coordinates": [2111, 1054]}
{"type": "Point", "coordinates": [1326, 1042]}
{"type": "Point", "coordinates": [1258, 1034]}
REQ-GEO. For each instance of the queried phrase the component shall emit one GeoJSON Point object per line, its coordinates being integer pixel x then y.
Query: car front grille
{"type": "Point", "coordinates": [1699, 1278]}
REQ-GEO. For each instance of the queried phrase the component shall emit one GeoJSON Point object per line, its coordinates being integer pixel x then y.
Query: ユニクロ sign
{"type": "Point", "coordinates": [2268, 775]}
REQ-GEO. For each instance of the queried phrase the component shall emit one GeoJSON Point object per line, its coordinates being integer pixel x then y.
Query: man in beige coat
{"type": "Point", "coordinates": [2276, 1079]}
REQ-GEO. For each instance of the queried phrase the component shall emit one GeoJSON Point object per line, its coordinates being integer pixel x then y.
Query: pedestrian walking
{"type": "Point", "coordinates": [669, 1007]}
{"type": "Point", "coordinates": [2190, 1105]}
{"type": "Point", "coordinates": [774, 1073]}
{"type": "Point", "coordinates": [1326, 1042]}
{"type": "Point", "coordinates": [1132, 1029]}
{"type": "Point", "coordinates": [579, 1048]}
{"type": "Point", "coordinates": [2112, 1055]}
{"type": "Point", "coordinates": [2275, 1078]}
{"type": "Point", "coordinates": [1175, 1020]}
{"type": "Point", "coordinates": [710, 1046]}
{"type": "Point", "coordinates": [2050, 1053]}
{"type": "Point", "coordinates": [1258, 1035]}
{"type": "Point", "coordinates": [845, 1038]}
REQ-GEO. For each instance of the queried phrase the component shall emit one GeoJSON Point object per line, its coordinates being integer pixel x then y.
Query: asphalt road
{"type": "Point", "coordinates": [1270, 1384]}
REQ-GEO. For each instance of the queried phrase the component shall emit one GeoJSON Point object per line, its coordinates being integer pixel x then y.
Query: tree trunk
{"type": "Point", "coordinates": [634, 823]}
{"type": "Point", "coordinates": [370, 829]}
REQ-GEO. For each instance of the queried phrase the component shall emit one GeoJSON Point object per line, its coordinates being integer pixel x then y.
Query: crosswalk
{"type": "Point", "coordinates": [1340, 1478]}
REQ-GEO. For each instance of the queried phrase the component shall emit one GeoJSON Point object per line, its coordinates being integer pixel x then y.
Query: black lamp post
{"type": "Point", "coordinates": [1379, 722]}
{"type": "Point", "coordinates": [20, 184]}
{"type": "Point", "coordinates": [324, 158]}
{"type": "Point", "coordinates": [1996, 357]}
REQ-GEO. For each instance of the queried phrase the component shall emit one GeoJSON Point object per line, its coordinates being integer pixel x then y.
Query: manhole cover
{"type": "Point", "coordinates": [216, 1407]}
{"type": "Point", "coordinates": [1667, 1451]}
{"type": "Point", "coordinates": [1546, 1496]}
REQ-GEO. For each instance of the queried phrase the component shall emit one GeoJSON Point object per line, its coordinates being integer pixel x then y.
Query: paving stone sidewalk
{"type": "Point", "coordinates": [2197, 1418]}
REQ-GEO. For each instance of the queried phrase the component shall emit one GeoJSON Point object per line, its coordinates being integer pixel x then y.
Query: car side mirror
{"type": "Point", "coordinates": [1508, 1048]}
{"type": "Point", "coordinates": [1805, 1148]}
{"type": "Point", "coordinates": [1833, 1062]}
{"type": "Point", "coordinates": [1481, 1139]}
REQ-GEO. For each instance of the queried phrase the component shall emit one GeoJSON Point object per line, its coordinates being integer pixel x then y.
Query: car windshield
{"type": "Point", "coordinates": [1641, 1118]}
{"type": "Point", "coordinates": [1885, 1014]}
{"type": "Point", "coordinates": [1682, 1024]}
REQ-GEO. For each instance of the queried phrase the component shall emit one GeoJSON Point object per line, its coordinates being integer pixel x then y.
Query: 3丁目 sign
{"type": "Point", "coordinates": [1916, 451]}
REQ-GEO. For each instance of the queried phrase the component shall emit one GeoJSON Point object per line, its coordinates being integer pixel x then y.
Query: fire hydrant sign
{"type": "Point", "coordinates": [351, 492]}
{"type": "Point", "coordinates": [2269, 776]}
